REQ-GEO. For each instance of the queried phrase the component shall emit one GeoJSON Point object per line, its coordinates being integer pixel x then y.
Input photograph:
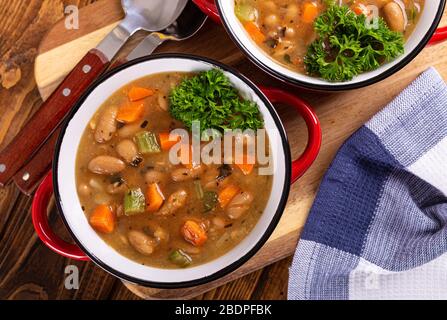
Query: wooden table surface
{"type": "Point", "coordinates": [28, 269]}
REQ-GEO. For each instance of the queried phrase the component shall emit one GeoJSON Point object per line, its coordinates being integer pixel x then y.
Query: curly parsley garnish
{"type": "Point", "coordinates": [210, 98]}
{"type": "Point", "coordinates": [346, 46]}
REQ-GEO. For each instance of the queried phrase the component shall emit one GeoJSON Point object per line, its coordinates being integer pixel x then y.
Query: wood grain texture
{"type": "Point", "coordinates": [30, 270]}
{"type": "Point", "coordinates": [29, 177]}
{"type": "Point", "coordinates": [51, 113]}
{"type": "Point", "coordinates": [227, 52]}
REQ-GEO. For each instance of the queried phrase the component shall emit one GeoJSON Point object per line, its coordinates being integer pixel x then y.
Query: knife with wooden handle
{"type": "Point", "coordinates": [54, 109]}
{"type": "Point", "coordinates": [187, 25]}
{"type": "Point", "coordinates": [50, 114]}
{"type": "Point", "coordinates": [29, 176]}
{"type": "Point", "coordinates": [140, 15]}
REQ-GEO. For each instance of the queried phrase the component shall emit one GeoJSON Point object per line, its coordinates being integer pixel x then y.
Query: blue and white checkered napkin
{"type": "Point", "coordinates": [378, 227]}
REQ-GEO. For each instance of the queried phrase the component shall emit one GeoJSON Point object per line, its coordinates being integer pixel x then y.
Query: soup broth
{"type": "Point", "coordinates": [190, 214]}
{"type": "Point", "coordinates": [284, 29]}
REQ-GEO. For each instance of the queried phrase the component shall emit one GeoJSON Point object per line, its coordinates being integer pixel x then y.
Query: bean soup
{"type": "Point", "coordinates": [291, 32]}
{"type": "Point", "coordinates": [150, 210]}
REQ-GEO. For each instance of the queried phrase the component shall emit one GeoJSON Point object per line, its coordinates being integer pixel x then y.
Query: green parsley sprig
{"type": "Point", "coordinates": [210, 98]}
{"type": "Point", "coordinates": [346, 46]}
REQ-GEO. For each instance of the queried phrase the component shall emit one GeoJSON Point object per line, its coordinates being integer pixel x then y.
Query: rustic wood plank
{"type": "Point", "coordinates": [30, 270]}
{"type": "Point", "coordinates": [274, 251]}
{"type": "Point", "coordinates": [203, 44]}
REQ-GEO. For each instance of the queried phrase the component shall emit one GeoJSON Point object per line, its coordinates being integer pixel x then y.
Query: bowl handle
{"type": "Point", "coordinates": [42, 227]}
{"type": "Point", "coordinates": [209, 8]}
{"type": "Point", "coordinates": [440, 35]}
{"type": "Point", "coordinates": [299, 167]}
{"type": "Point", "coordinates": [309, 155]}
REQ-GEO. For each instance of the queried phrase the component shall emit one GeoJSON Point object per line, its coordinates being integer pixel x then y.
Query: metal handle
{"type": "Point", "coordinates": [147, 46]}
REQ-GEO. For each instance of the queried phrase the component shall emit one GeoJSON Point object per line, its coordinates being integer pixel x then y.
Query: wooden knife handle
{"type": "Point", "coordinates": [29, 177]}
{"type": "Point", "coordinates": [35, 170]}
{"type": "Point", "coordinates": [50, 114]}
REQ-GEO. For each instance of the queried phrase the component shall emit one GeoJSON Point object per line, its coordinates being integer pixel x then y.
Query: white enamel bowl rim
{"type": "Point", "coordinates": [424, 30]}
{"type": "Point", "coordinates": [89, 241]}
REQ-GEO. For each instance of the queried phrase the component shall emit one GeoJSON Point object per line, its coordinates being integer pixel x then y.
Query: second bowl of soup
{"type": "Point", "coordinates": [172, 171]}
{"type": "Point", "coordinates": [328, 44]}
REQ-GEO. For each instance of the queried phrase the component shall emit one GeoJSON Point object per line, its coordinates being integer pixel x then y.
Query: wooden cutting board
{"type": "Point", "coordinates": [340, 113]}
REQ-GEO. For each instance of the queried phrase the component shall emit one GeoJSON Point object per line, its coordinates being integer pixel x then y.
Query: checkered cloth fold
{"type": "Point", "coordinates": [378, 226]}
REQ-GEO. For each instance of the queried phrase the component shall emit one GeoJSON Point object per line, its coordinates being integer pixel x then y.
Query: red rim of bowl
{"type": "Point", "coordinates": [229, 268]}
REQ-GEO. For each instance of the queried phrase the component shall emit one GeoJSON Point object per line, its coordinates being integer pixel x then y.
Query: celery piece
{"type": "Point", "coordinates": [209, 201]}
{"type": "Point", "coordinates": [246, 12]}
{"type": "Point", "coordinates": [147, 142]}
{"type": "Point", "coordinates": [180, 258]}
{"type": "Point", "coordinates": [134, 202]}
{"type": "Point", "coordinates": [199, 189]}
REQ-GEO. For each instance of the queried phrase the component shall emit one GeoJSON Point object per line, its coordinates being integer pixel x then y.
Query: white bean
{"type": "Point", "coordinates": [186, 247]}
{"type": "Point", "coordinates": [381, 3]}
{"type": "Point", "coordinates": [154, 176]}
{"type": "Point", "coordinates": [175, 201]}
{"type": "Point", "coordinates": [141, 242]}
{"type": "Point", "coordinates": [124, 239]}
{"type": "Point", "coordinates": [163, 102]}
{"type": "Point", "coordinates": [292, 11]}
{"type": "Point", "coordinates": [116, 188]}
{"type": "Point", "coordinates": [107, 125]}
{"type": "Point", "coordinates": [129, 152]}
{"type": "Point", "coordinates": [219, 222]}
{"type": "Point", "coordinates": [84, 190]}
{"type": "Point", "coordinates": [106, 165]}
{"type": "Point", "coordinates": [156, 231]}
{"type": "Point", "coordinates": [394, 17]}
{"type": "Point", "coordinates": [185, 174]}
{"type": "Point", "coordinates": [239, 205]}
{"type": "Point", "coordinates": [129, 130]}
{"type": "Point", "coordinates": [95, 184]}
{"type": "Point", "coordinates": [290, 32]}
{"type": "Point", "coordinates": [268, 5]}
{"type": "Point", "coordinates": [271, 20]}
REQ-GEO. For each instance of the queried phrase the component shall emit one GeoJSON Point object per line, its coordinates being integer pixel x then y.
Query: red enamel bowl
{"type": "Point", "coordinates": [222, 11]}
{"type": "Point", "coordinates": [90, 246]}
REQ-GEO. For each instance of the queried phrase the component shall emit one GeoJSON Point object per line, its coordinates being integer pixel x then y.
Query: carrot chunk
{"type": "Point", "coordinates": [103, 219]}
{"type": "Point", "coordinates": [194, 233]}
{"type": "Point", "coordinates": [154, 198]}
{"type": "Point", "coordinates": [130, 112]}
{"type": "Point", "coordinates": [227, 194]}
{"type": "Point", "coordinates": [166, 143]}
{"type": "Point", "coordinates": [138, 93]}
{"type": "Point", "coordinates": [254, 32]}
{"type": "Point", "coordinates": [245, 166]}
{"type": "Point", "coordinates": [310, 12]}
{"type": "Point", "coordinates": [359, 9]}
